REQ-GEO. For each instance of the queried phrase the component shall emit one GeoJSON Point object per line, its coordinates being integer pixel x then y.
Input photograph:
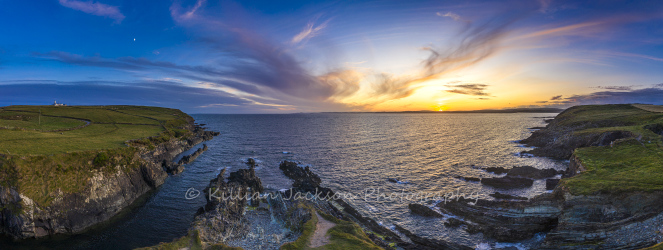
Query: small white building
{"type": "Point", "coordinates": [55, 103]}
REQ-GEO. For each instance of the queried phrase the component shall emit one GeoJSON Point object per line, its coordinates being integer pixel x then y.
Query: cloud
{"type": "Point", "coordinates": [153, 93]}
{"type": "Point", "coordinates": [573, 29]}
{"type": "Point", "coordinates": [554, 98]}
{"type": "Point", "coordinates": [309, 32]}
{"type": "Point", "coordinates": [622, 88]}
{"type": "Point", "coordinates": [94, 8]}
{"type": "Point", "coordinates": [449, 14]}
{"type": "Point", "coordinates": [469, 89]}
{"type": "Point", "coordinates": [178, 15]}
{"type": "Point", "coordinates": [476, 43]}
{"type": "Point", "coordinates": [646, 95]}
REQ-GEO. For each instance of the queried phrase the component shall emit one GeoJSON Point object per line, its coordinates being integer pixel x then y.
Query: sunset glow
{"type": "Point", "coordinates": [226, 57]}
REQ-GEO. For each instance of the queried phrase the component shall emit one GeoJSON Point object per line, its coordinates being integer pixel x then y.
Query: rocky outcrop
{"type": "Point", "coordinates": [222, 218]}
{"type": "Point", "coordinates": [603, 220]}
{"type": "Point", "coordinates": [106, 193]}
{"type": "Point", "coordinates": [423, 210]}
{"type": "Point", "coordinates": [189, 158]}
{"type": "Point", "coordinates": [498, 195]}
{"type": "Point", "coordinates": [424, 243]}
{"type": "Point", "coordinates": [507, 182]}
{"type": "Point", "coordinates": [558, 139]}
{"type": "Point", "coordinates": [304, 180]}
{"type": "Point", "coordinates": [551, 183]}
{"type": "Point", "coordinates": [618, 221]}
{"type": "Point", "coordinates": [505, 221]}
{"type": "Point", "coordinates": [465, 178]}
{"type": "Point", "coordinates": [247, 178]}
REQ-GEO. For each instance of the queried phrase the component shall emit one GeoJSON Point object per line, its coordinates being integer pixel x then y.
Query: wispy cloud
{"type": "Point", "coordinates": [179, 15]}
{"type": "Point", "coordinates": [554, 98]}
{"type": "Point", "coordinates": [449, 14]}
{"type": "Point", "coordinates": [631, 55]}
{"type": "Point", "coordinates": [621, 88]}
{"type": "Point", "coordinates": [476, 43]}
{"type": "Point", "coordinates": [309, 32]}
{"type": "Point", "coordinates": [95, 8]}
{"type": "Point", "coordinates": [653, 94]}
{"type": "Point", "coordinates": [572, 29]}
{"type": "Point", "coordinates": [468, 89]}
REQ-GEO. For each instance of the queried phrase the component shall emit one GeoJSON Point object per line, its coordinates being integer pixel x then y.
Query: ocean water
{"type": "Point", "coordinates": [354, 154]}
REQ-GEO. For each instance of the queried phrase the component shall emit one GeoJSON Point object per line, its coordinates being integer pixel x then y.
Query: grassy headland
{"type": "Point", "coordinates": [48, 150]}
{"type": "Point", "coordinates": [620, 147]}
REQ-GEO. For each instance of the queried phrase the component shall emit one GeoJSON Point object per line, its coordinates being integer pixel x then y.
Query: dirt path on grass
{"type": "Point", "coordinates": [320, 237]}
{"type": "Point", "coordinates": [648, 107]}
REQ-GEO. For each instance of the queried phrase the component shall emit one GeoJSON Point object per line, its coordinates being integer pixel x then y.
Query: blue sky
{"type": "Point", "coordinates": [302, 56]}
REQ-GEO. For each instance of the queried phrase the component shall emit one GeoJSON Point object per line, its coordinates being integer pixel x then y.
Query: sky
{"type": "Point", "coordinates": [206, 56]}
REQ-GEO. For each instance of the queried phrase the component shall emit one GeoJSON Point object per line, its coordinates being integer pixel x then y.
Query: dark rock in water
{"type": "Point", "coordinates": [453, 222]}
{"type": "Point", "coordinates": [171, 167]}
{"type": "Point", "coordinates": [551, 183]}
{"type": "Point", "coordinates": [189, 158]}
{"type": "Point", "coordinates": [532, 172]}
{"type": "Point", "coordinates": [467, 178]}
{"type": "Point", "coordinates": [248, 178]}
{"type": "Point", "coordinates": [425, 243]}
{"type": "Point", "coordinates": [499, 195]}
{"type": "Point", "coordinates": [224, 215]}
{"type": "Point", "coordinates": [423, 210]}
{"type": "Point", "coordinates": [505, 221]}
{"type": "Point", "coordinates": [525, 171]}
{"type": "Point", "coordinates": [496, 170]}
{"type": "Point", "coordinates": [251, 162]}
{"type": "Point", "coordinates": [507, 182]}
{"type": "Point", "coordinates": [394, 180]}
{"type": "Point", "coordinates": [304, 179]}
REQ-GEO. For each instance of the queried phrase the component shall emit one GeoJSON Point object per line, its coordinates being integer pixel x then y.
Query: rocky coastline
{"type": "Point", "coordinates": [104, 195]}
{"type": "Point", "coordinates": [599, 220]}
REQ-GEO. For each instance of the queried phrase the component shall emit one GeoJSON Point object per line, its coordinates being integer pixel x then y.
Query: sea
{"type": "Point", "coordinates": [355, 154]}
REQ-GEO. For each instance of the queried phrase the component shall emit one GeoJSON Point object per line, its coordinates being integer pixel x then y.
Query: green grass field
{"type": "Point", "coordinates": [50, 149]}
{"type": "Point", "coordinates": [40, 130]}
{"type": "Point", "coordinates": [630, 164]}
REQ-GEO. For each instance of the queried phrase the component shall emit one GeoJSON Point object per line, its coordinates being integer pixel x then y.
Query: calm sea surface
{"type": "Point", "coordinates": [354, 153]}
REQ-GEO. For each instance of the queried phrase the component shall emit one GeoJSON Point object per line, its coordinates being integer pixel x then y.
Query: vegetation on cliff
{"type": "Point", "coordinates": [48, 151]}
{"type": "Point", "coordinates": [619, 147]}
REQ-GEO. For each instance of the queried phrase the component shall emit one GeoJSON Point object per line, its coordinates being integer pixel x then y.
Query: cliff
{"type": "Point", "coordinates": [66, 193]}
{"type": "Point", "coordinates": [610, 196]}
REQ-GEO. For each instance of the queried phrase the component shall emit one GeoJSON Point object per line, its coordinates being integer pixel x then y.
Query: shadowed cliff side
{"type": "Point", "coordinates": [68, 192]}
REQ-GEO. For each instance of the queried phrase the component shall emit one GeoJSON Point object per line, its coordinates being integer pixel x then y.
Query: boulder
{"type": "Point", "coordinates": [551, 183]}
{"type": "Point", "coordinates": [453, 222]}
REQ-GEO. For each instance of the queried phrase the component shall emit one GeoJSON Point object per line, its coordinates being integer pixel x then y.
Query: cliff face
{"type": "Point", "coordinates": [560, 137]}
{"type": "Point", "coordinates": [104, 194]}
{"type": "Point", "coordinates": [617, 221]}
{"type": "Point", "coordinates": [610, 196]}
